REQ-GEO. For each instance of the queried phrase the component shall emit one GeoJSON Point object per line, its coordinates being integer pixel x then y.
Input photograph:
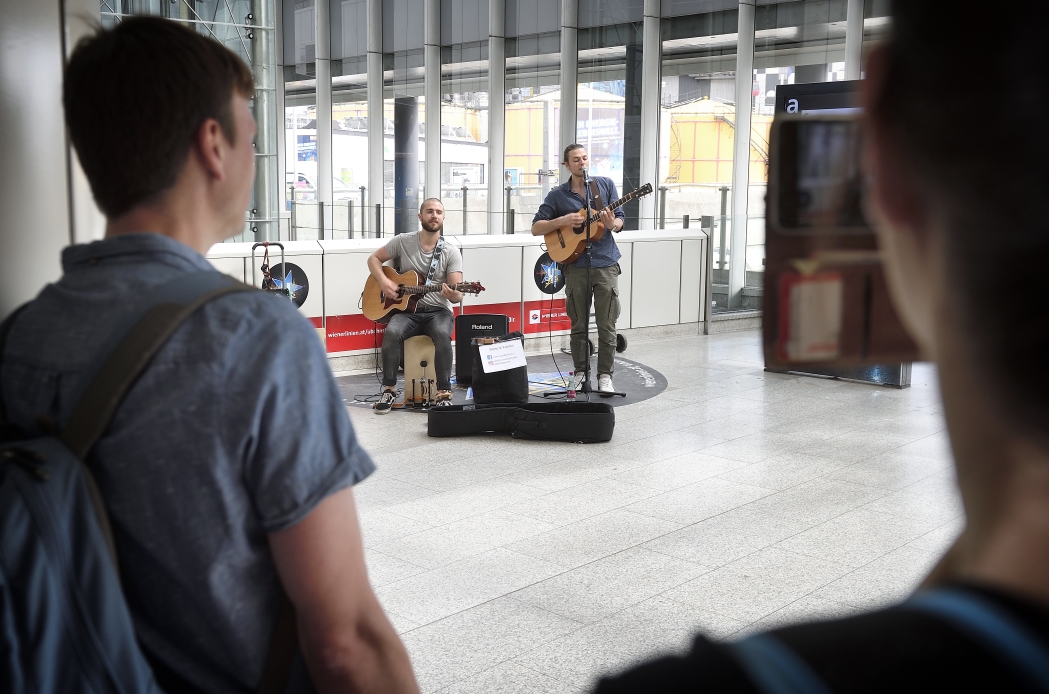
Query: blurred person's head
{"type": "Point", "coordinates": [155, 109]}
{"type": "Point", "coordinates": [957, 103]}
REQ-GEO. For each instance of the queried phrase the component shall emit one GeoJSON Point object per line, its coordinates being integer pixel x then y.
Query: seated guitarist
{"type": "Point", "coordinates": [561, 209]}
{"type": "Point", "coordinates": [433, 314]}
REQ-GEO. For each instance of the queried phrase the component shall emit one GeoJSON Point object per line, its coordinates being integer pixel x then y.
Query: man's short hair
{"type": "Point", "coordinates": [571, 148]}
{"type": "Point", "coordinates": [421, 206]}
{"type": "Point", "coordinates": [135, 97]}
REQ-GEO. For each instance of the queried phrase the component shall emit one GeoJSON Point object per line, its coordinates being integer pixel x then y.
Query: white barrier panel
{"type": "Point", "coordinates": [330, 276]}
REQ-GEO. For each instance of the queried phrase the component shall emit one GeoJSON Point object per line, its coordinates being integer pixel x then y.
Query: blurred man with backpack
{"type": "Point", "coordinates": [227, 470]}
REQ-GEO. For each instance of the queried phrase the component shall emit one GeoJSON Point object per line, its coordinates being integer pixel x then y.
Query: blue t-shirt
{"type": "Point", "coordinates": [235, 430]}
{"type": "Point", "coordinates": [563, 200]}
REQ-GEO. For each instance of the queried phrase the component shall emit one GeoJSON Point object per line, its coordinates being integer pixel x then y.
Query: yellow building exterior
{"type": "Point", "coordinates": [702, 136]}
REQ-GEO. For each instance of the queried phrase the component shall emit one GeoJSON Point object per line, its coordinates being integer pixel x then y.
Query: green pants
{"type": "Point", "coordinates": [604, 282]}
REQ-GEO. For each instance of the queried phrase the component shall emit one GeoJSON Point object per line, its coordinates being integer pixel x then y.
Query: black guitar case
{"type": "Point", "coordinates": [583, 422]}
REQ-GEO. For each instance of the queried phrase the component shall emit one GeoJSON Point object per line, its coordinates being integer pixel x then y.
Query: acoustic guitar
{"type": "Point", "coordinates": [381, 308]}
{"type": "Point", "coordinates": [566, 244]}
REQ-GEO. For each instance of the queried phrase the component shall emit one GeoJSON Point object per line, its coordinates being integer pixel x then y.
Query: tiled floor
{"type": "Point", "coordinates": [736, 500]}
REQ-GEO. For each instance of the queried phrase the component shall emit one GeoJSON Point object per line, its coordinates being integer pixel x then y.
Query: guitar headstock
{"type": "Point", "coordinates": [644, 190]}
{"type": "Point", "coordinates": [471, 288]}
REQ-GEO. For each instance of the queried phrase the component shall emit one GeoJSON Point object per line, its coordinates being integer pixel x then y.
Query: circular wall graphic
{"type": "Point", "coordinates": [548, 275]}
{"type": "Point", "coordinates": [291, 279]}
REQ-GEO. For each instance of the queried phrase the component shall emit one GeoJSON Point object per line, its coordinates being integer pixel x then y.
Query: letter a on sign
{"type": "Point", "coordinates": [792, 105]}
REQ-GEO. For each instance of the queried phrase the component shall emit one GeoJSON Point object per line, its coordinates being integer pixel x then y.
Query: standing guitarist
{"type": "Point", "coordinates": [561, 209]}
{"type": "Point", "coordinates": [433, 314]}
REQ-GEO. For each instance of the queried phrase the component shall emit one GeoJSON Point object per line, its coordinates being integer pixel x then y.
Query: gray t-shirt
{"type": "Point", "coordinates": [234, 431]}
{"type": "Point", "coordinates": [406, 247]}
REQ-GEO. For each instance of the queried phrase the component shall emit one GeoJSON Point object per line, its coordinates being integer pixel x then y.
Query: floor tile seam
{"type": "Point", "coordinates": [584, 484]}
{"type": "Point", "coordinates": [499, 476]}
{"type": "Point", "coordinates": [393, 476]}
{"type": "Point", "coordinates": [449, 686]}
{"type": "Point", "coordinates": [712, 569]}
{"type": "Point", "coordinates": [386, 509]}
{"type": "Point", "coordinates": [544, 674]}
{"type": "Point", "coordinates": [505, 545]}
{"type": "Point", "coordinates": [633, 603]}
{"type": "Point", "coordinates": [763, 616]}
{"type": "Point", "coordinates": [422, 569]}
{"type": "Point", "coordinates": [505, 596]}
{"type": "Point", "coordinates": [501, 509]}
{"type": "Point", "coordinates": [906, 516]}
{"type": "Point", "coordinates": [871, 485]}
{"type": "Point", "coordinates": [924, 479]}
{"type": "Point", "coordinates": [823, 557]}
{"type": "Point", "coordinates": [607, 556]}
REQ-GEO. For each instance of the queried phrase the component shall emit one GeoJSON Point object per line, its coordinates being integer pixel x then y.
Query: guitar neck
{"type": "Point", "coordinates": [615, 205]}
{"type": "Point", "coordinates": [427, 288]}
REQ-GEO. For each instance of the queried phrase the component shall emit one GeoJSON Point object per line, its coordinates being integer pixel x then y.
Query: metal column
{"type": "Point", "coordinates": [737, 275]}
{"type": "Point", "coordinates": [496, 113]}
{"type": "Point", "coordinates": [375, 114]}
{"type": "Point", "coordinates": [569, 79]}
{"type": "Point", "coordinates": [651, 61]}
{"type": "Point", "coordinates": [282, 155]}
{"type": "Point", "coordinates": [432, 91]}
{"type": "Point", "coordinates": [853, 39]}
{"type": "Point", "coordinates": [325, 195]}
{"type": "Point", "coordinates": [267, 174]}
{"type": "Point", "coordinates": [405, 164]}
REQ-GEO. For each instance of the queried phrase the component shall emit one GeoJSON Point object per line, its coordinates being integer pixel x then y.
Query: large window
{"type": "Point", "coordinates": [464, 137]}
{"type": "Point", "coordinates": [533, 116]}
{"type": "Point", "coordinates": [349, 117]}
{"type": "Point", "coordinates": [697, 130]}
{"type": "Point", "coordinates": [608, 115]}
{"type": "Point", "coordinates": [299, 187]}
{"type": "Point", "coordinates": [251, 38]}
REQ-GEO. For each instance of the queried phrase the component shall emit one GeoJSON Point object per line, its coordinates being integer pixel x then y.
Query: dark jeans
{"type": "Point", "coordinates": [435, 322]}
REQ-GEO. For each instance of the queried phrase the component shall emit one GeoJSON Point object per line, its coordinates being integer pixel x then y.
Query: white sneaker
{"type": "Point", "coordinates": [604, 384]}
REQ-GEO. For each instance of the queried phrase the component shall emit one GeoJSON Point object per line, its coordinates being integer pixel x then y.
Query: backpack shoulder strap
{"type": "Point", "coordinates": [160, 315]}
{"type": "Point", "coordinates": [5, 329]}
{"type": "Point", "coordinates": [773, 668]}
{"type": "Point", "coordinates": [1019, 650]}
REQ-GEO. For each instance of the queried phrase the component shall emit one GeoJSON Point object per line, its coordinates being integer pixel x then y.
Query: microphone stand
{"type": "Point", "coordinates": [589, 290]}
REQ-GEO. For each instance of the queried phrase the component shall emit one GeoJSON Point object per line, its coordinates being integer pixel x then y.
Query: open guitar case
{"type": "Point", "coordinates": [583, 422]}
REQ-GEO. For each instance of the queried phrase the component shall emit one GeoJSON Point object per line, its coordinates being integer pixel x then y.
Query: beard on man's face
{"type": "Point", "coordinates": [434, 225]}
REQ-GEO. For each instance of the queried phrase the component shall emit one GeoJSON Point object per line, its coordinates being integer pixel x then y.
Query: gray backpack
{"type": "Point", "coordinates": [64, 624]}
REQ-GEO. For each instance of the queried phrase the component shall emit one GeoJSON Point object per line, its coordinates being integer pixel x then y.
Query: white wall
{"type": "Point", "coordinates": [661, 284]}
{"type": "Point", "coordinates": [42, 211]}
{"type": "Point", "coordinates": [34, 199]}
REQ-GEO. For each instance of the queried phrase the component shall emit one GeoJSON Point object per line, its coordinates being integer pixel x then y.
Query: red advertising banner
{"type": "Point", "coordinates": [355, 332]}
{"type": "Point", "coordinates": [546, 315]}
{"type": "Point", "coordinates": [348, 333]}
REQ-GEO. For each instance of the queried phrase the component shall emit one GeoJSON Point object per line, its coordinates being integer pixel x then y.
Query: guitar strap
{"type": "Point", "coordinates": [595, 197]}
{"type": "Point", "coordinates": [435, 261]}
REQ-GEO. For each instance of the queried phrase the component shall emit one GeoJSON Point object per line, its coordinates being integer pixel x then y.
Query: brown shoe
{"type": "Point", "coordinates": [444, 398]}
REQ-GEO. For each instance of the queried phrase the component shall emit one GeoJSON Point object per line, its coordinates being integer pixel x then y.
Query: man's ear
{"type": "Point", "coordinates": [897, 202]}
{"type": "Point", "coordinates": [212, 149]}
{"type": "Point", "coordinates": [895, 195]}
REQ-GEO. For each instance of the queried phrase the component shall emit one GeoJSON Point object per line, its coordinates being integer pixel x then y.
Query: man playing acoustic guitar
{"type": "Point", "coordinates": [561, 209]}
{"type": "Point", "coordinates": [433, 314]}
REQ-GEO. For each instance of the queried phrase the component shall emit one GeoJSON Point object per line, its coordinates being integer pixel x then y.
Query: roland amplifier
{"type": "Point", "coordinates": [469, 326]}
